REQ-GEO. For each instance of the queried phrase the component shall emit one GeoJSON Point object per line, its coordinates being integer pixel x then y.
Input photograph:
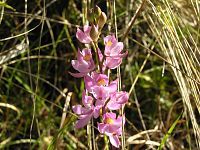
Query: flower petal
{"type": "Point", "coordinates": [114, 140]}
{"type": "Point", "coordinates": [87, 100]}
{"type": "Point", "coordinates": [81, 66]}
{"type": "Point", "coordinates": [114, 50]}
{"type": "Point", "coordinates": [96, 111]}
{"type": "Point", "coordinates": [87, 29]}
{"type": "Point", "coordinates": [113, 105]}
{"type": "Point", "coordinates": [117, 99]}
{"type": "Point", "coordinates": [102, 127]}
{"type": "Point", "coordinates": [78, 75]}
{"type": "Point", "coordinates": [89, 83]}
{"type": "Point", "coordinates": [83, 37]}
{"type": "Point", "coordinates": [112, 87]}
{"type": "Point", "coordinates": [122, 97]}
{"type": "Point", "coordinates": [77, 109]}
{"type": "Point", "coordinates": [100, 92]}
{"type": "Point", "coordinates": [82, 122]}
{"type": "Point", "coordinates": [113, 62]}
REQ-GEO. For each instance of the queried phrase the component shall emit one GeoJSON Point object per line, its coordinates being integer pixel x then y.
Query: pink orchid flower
{"type": "Point", "coordinates": [112, 46]}
{"type": "Point", "coordinates": [99, 86]}
{"type": "Point", "coordinates": [87, 112]}
{"type": "Point", "coordinates": [112, 127]}
{"type": "Point", "coordinates": [102, 94]}
{"type": "Point", "coordinates": [113, 62]}
{"type": "Point", "coordinates": [95, 79]}
{"type": "Point", "coordinates": [84, 36]}
{"type": "Point", "coordinates": [117, 99]}
{"type": "Point", "coordinates": [84, 63]}
{"type": "Point", "coordinates": [113, 50]}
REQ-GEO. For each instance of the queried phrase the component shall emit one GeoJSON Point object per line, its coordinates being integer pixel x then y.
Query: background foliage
{"type": "Point", "coordinates": [37, 44]}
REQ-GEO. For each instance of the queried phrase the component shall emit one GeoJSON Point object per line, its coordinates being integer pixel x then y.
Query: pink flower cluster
{"type": "Point", "coordinates": [100, 97]}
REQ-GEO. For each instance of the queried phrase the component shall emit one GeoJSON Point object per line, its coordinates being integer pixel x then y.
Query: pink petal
{"type": "Point", "coordinates": [91, 66]}
{"type": "Point", "coordinates": [96, 111]}
{"type": "Point", "coordinates": [117, 100]}
{"type": "Point", "coordinates": [78, 75]}
{"type": "Point", "coordinates": [113, 62]}
{"type": "Point", "coordinates": [118, 121]}
{"type": "Point", "coordinates": [102, 127]}
{"type": "Point", "coordinates": [87, 100]}
{"type": "Point", "coordinates": [87, 29]}
{"type": "Point", "coordinates": [83, 37]}
{"type": "Point", "coordinates": [111, 129]}
{"type": "Point", "coordinates": [114, 140]}
{"type": "Point", "coordinates": [82, 122]}
{"type": "Point", "coordinates": [80, 66]}
{"type": "Point", "coordinates": [100, 55]}
{"type": "Point", "coordinates": [89, 83]}
{"type": "Point", "coordinates": [121, 97]}
{"type": "Point", "coordinates": [99, 103]}
{"type": "Point", "coordinates": [79, 55]}
{"type": "Point", "coordinates": [78, 109]}
{"type": "Point", "coordinates": [109, 115]}
{"type": "Point", "coordinates": [113, 106]}
{"type": "Point", "coordinates": [114, 50]}
{"type": "Point", "coordinates": [112, 87]}
{"type": "Point", "coordinates": [110, 38]}
{"type": "Point", "coordinates": [86, 51]}
{"type": "Point", "coordinates": [100, 92]}
{"type": "Point", "coordinates": [120, 118]}
{"type": "Point", "coordinates": [101, 77]}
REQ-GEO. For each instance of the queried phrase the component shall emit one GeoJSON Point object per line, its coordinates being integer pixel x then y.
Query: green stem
{"type": "Point", "coordinates": [95, 46]}
{"type": "Point", "coordinates": [106, 142]}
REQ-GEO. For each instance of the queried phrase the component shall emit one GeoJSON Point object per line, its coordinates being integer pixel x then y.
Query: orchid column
{"type": "Point", "coordinates": [100, 97]}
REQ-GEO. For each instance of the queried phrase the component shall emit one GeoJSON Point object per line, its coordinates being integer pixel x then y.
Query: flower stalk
{"type": "Point", "coordinates": [95, 46]}
{"type": "Point", "coordinates": [101, 97]}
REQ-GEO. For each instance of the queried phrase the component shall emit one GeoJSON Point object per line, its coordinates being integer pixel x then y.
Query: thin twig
{"type": "Point", "coordinates": [136, 78]}
{"type": "Point", "coordinates": [66, 105]}
{"type": "Point", "coordinates": [140, 113]}
{"type": "Point", "coordinates": [133, 20]}
{"type": "Point", "coordinates": [64, 114]}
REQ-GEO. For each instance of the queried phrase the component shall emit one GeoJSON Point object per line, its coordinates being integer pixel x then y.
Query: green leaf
{"type": "Point", "coordinates": [53, 144]}
{"type": "Point", "coordinates": [7, 6]}
{"type": "Point", "coordinates": [169, 133]}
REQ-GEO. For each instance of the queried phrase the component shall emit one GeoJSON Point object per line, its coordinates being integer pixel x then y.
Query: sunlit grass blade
{"type": "Point", "coordinates": [3, 4]}
{"type": "Point", "coordinates": [169, 132]}
{"type": "Point", "coordinates": [53, 145]}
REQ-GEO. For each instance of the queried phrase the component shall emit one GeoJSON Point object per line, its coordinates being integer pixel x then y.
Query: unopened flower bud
{"type": "Point", "coordinates": [102, 20]}
{"type": "Point", "coordinates": [97, 12]}
{"type": "Point", "coordinates": [94, 33]}
{"type": "Point", "coordinates": [90, 16]}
